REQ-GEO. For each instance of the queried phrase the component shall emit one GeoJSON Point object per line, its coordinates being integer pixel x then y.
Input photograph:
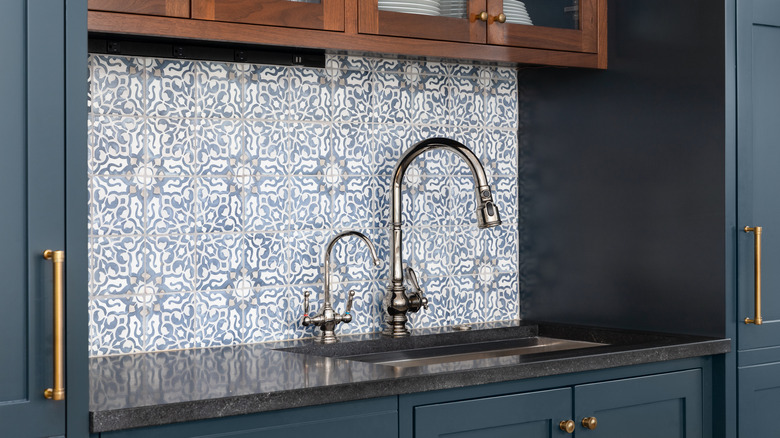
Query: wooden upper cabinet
{"type": "Point", "coordinates": [167, 8]}
{"type": "Point", "coordinates": [565, 25]}
{"type": "Point", "coordinates": [304, 14]}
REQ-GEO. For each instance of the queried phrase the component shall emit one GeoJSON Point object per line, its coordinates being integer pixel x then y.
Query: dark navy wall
{"type": "Point", "coordinates": [622, 176]}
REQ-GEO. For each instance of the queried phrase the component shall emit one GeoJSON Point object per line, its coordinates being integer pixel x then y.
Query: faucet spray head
{"type": "Point", "coordinates": [487, 212]}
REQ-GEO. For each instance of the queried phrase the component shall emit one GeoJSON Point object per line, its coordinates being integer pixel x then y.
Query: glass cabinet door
{"type": "Point", "coordinates": [570, 25]}
{"type": "Point", "coordinates": [304, 14]}
{"type": "Point", "coordinates": [447, 20]}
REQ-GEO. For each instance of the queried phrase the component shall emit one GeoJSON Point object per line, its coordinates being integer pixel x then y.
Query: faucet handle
{"type": "Point", "coordinates": [306, 318]}
{"type": "Point", "coordinates": [347, 315]}
{"type": "Point", "coordinates": [417, 289]}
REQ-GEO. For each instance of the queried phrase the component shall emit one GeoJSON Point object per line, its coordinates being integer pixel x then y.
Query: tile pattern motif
{"type": "Point", "coordinates": [214, 188]}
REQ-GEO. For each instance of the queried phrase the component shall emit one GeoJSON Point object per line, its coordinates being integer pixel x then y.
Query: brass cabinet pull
{"type": "Point", "coordinates": [567, 426]}
{"type": "Point", "coordinates": [58, 261]}
{"type": "Point", "coordinates": [589, 423]}
{"type": "Point", "coordinates": [757, 273]}
{"type": "Point", "coordinates": [501, 18]}
{"type": "Point", "coordinates": [482, 16]}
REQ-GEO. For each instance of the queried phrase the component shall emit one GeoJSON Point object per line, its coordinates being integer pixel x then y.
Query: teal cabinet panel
{"type": "Point", "coordinates": [659, 406]}
{"type": "Point", "coordinates": [532, 415]}
{"type": "Point", "coordinates": [758, 158]}
{"type": "Point", "coordinates": [759, 399]}
{"type": "Point", "coordinates": [377, 418]}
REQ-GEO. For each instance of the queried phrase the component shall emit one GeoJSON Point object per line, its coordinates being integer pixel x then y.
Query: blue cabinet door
{"type": "Point", "coordinates": [658, 406]}
{"type": "Point", "coordinates": [758, 172]}
{"type": "Point", "coordinates": [33, 181]}
{"type": "Point", "coordinates": [529, 415]}
{"type": "Point", "coordinates": [759, 399]}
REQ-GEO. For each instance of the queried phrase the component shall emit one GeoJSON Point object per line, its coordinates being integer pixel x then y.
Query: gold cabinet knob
{"type": "Point", "coordinates": [482, 16]}
{"type": "Point", "coordinates": [501, 18]}
{"type": "Point", "coordinates": [567, 426]}
{"type": "Point", "coordinates": [590, 423]}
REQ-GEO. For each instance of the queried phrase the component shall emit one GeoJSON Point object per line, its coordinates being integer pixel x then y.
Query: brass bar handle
{"type": "Point", "coordinates": [757, 273]}
{"type": "Point", "coordinates": [58, 261]}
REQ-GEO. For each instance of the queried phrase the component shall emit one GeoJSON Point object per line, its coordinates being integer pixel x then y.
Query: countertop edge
{"type": "Point", "coordinates": [156, 415]}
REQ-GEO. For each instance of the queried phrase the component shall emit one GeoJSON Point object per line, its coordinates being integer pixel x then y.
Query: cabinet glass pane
{"type": "Point", "coordinates": [441, 8]}
{"type": "Point", "coordinates": [562, 14]}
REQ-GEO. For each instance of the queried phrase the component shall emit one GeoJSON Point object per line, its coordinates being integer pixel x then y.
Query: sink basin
{"type": "Point", "coordinates": [471, 351]}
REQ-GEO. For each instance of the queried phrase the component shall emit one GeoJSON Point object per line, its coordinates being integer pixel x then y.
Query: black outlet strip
{"type": "Point", "coordinates": [203, 51]}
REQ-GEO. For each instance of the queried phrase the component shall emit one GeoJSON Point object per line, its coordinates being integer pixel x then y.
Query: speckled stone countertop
{"type": "Point", "coordinates": [159, 388]}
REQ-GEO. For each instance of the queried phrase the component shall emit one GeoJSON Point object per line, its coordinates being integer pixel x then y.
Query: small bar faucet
{"type": "Point", "coordinates": [327, 319]}
{"type": "Point", "coordinates": [397, 302]}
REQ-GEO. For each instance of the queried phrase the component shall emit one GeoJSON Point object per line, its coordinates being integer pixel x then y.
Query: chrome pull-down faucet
{"type": "Point", "coordinates": [397, 302]}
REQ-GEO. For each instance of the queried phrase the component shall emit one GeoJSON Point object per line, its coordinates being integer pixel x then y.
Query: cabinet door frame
{"type": "Point", "coordinates": [470, 30]}
{"type": "Point", "coordinates": [326, 15]}
{"type": "Point", "coordinates": [166, 8]}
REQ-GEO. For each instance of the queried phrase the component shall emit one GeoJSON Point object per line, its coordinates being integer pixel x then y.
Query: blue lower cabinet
{"type": "Point", "coordinates": [377, 418]}
{"type": "Point", "coordinates": [759, 398]}
{"type": "Point", "coordinates": [529, 415]}
{"type": "Point", "coordinates": [659, 406]}
{"type": "Point", "coordinates": [665, 405]}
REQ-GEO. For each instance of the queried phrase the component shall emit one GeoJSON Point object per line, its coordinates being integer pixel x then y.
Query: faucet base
{"type": "Point", "coordinates": [396, 326]}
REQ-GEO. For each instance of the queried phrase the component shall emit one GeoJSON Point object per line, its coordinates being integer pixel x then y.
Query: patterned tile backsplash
{"type": "Point", "coordinates": [215, 187]}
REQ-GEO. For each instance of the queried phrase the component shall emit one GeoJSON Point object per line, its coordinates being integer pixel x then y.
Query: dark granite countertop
{"type": "Point", "coordinates": [159, 388]}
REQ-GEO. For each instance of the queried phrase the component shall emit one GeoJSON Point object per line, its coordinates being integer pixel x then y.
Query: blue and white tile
{"type": "Point", "coordinates": [349, 62]}
{"type": "Point", "coordinates": [219, 146]}
{"type": "Point", "coordinates": [501, 105]}
{"type": "Point", "coordinates": [504, 147]}
{"type": "Point", "coordinates": [427, 204]}
{"type": "Point", "coordinates": [467, 102]}
{"type": "Point", "coordinates": [467, 299]}
{"type": "Point", "coordinates": [411, 194]}
{"type": "Point", "coordinates": [117, 85]}
{"type": "Point", "coordinates": [379, 202]}
{"type": "Point", "coordinates": [170, 87]}
{"type": "Point", "coordinates": [352, 147]}
{"type": "Point", "coordinates": [502, 298]}
{"type": "Point", "coordinates": [292, 323]}
{"type": "Point", "coordinates": [392, 97]}
{"type": "Point", "coordinates": [219, 260]}
{"type": "Point", "coordinates": [267, 204]}
{"type": "Point", "coordinates": [266, 258]}
{"type": "Point", "coordinates": [309, 149]}
{"type": "Point", "coordinates": [266, 148]}
{"type": "Point", "coordinates": [505, 73]}
{"type": "Point", "coordinates": [219, 317]}
{"type": "Point", "coordinates": [116, 145]}
{"type": "Point", "coordinates": [307, 256]}
{"type": "Point", "coordinates": [118, 206]}
{"type": "Point", "coordinates": [310, 94]}
{"type": "Point", "coordinates": [172, 146]}
{"type": "Point", "coordinates": [498, 245]}
{"type": "Point", "coordinates": [437, 161]}
{"type": "Point", "coordinates": [505, 197]}
{"type": "Point", "coordinates": [433, 252]}
{"type": "Point", "coordinates": [171, 323]}
{"type": "Point", "coordinates": [116, 326]}
{"type": "Point", "coordinates": [170, 263]}
{"type": "Point", "coordinates": [266, 93]}
{"type": "Point", "coordinates": [463, 69]}
{"type": "Point", "coordinates": [437, 68]}
{"type": "Point", "coordinates": [439, 303]}
{"type": "Point", "coordinates": [463, 255]}
{"type": "Point", "coordinates": [352, 92]}
{"type": "Point", "coordinates": [219, 89]}
{"type": "Point", "coordinates": [472, 138]}
{"type": "Point", "coordinates": [311, 203]}
{"type": "Point", "coordinates": [365, 308]}
{"type": "Point", "coordinates": [220, 205]}
{"type": "Point", "coordinates": [118, 267]}
{"type": "Point", "coordinates": [431, 101]}
{"type": "Point", "coordinates": [352, 203]}
{"type": "Point", "coordinates": [169, 206]}
{"type": "Point", "coordinates": [390, 142]}
{"type": "Point", "coordinates": [462, 202]}
{"type": "Point", "coordinates": [265, 314]}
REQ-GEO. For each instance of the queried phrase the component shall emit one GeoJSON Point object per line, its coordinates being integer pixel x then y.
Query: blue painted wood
{"type": "Point", "coordinates": [531, 415]}
{"type": "Point", "coordinates": [658, 406]}
{"type": "Point", "coordinates": [32, 97]}
{"type": "Point", "coordinates": [377, 418]}
{"type": "Point", "coordinates": [759, 399]}
{"type": "Point", "coordinates": [758, 98]}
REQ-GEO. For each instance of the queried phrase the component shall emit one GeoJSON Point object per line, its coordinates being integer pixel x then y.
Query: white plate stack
{"type": "Point", "coordinates": [422, 7]}
{"type": "Point", "coordinates": [515, 12]}
{"type": "Point", "coordinates": [454, 8]}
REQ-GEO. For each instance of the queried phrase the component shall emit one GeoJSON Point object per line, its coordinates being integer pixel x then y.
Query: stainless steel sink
{"type": "Point", "coordinates": [471, 351]}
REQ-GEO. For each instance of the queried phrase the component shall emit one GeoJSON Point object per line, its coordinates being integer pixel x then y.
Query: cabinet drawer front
{"type": "Point", "coordinates": [658, 406]}
{"type": "Point", "coordinates": [533, 414]}
{"type": "Point", "coordinates": [759, 397]}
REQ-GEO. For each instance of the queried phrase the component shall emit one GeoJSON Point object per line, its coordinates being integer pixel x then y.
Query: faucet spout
{"type": "Point", "coordinates": [397, 302]}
